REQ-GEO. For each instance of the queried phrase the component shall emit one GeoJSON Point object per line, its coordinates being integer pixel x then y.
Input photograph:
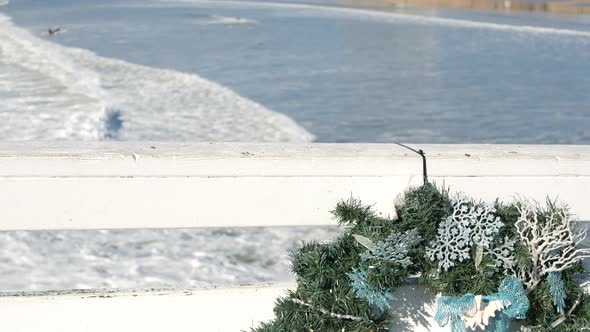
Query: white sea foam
{"type": "Point", "coordinates": [55, 92]}
{"type": "Point", "coordinates": [367, 14]}
{"type": "Point", "coordinates": [213, 19]}
{"type": "Point", "coordinates": [149, 258]}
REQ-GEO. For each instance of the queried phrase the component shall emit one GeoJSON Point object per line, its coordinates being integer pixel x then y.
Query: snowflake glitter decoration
{"type": "Point", "coordinates": [502, 254]}
{"type": "Point", "coordinates": [394, 248]}
{"type": "Point", "coordinates": [480, 218]}
{"type": "Point", "coordinates": [468, 225]}
{"type": "Point", "coordinates": [451, 244]}
{"type": "Point", "coordinates": [485, 225]}
{"type": "Point", "coordinates": [462, 210]}
{"type": "Point", "coordinates": [363, 290]}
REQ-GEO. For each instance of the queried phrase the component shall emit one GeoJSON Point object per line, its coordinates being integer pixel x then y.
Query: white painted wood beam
{"type": "Point", "coordinates": [132, 185]}
{"type": "Point", "coordinates": [222, 309]}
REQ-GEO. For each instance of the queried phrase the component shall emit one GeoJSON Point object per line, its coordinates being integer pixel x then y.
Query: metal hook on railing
{"type": "Point", "coordinates": [423, 155]}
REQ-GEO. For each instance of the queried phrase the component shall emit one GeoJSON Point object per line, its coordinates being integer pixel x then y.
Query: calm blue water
{"type": "Point", "coordinates": [266, 71]}
{"type": "Point", "coordinates": [341, 74]}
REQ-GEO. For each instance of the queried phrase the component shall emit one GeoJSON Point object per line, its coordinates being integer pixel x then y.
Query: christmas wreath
{"type": "Point", "coordinates": [489, 263]}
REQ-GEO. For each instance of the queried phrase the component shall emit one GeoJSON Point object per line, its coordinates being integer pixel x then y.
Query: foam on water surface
{"type": "Point", "coordinates": [149, 258]}
{"type": "Point", "coordinates": [52, 92]}
{"type": "Point", "coordinates": [214, 19]}
{"type": "Point", "coordinates": [386, 17]}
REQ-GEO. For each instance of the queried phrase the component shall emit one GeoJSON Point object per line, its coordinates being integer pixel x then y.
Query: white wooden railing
{"type": "Point", "coordinates": [169, 185]}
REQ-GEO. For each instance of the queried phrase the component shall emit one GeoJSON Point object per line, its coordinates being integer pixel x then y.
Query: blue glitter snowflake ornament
{"type": "Point", "coordinates": [379, 298]}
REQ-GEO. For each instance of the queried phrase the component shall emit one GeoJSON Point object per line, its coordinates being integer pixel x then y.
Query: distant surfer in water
{"type": "Point", "coordinates": [53, 31]}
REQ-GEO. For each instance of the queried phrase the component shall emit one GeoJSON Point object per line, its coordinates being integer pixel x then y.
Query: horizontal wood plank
{"type": "Point", "coordinates": [223, 309]}
{"type": "Point", "coordinates": [220, 309]}
{"type": "Point", "coordinates": [177, 185]}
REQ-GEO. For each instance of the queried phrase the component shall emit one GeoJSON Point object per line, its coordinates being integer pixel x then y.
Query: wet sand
{"type": "Point", "coordinates": [550, 6]}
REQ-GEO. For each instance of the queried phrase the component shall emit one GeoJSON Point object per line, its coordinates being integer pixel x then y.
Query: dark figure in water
{"type": "Point", "coordinates": [51, 31]}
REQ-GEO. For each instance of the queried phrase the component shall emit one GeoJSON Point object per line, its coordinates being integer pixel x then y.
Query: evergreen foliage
{"type": "Point", "coordinates": [348, 283]}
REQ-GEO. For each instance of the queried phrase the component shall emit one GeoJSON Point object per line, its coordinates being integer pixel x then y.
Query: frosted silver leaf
{"type": "Point", "coordinates": [365, 242]}
{"type": "Point", "coordinates": [478, 256]}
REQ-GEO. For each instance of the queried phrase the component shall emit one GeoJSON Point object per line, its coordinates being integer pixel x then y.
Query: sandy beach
{"type": "Point", "coordinates": [550, 6]}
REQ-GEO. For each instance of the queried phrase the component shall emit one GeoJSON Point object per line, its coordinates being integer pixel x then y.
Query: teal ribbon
{"type": "Point", "coordinates": [448, 309]}
{"type": "Point", "coordinates": [510, 293]}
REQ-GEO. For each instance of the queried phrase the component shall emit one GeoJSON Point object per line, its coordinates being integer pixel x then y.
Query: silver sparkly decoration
{"type": "Point", "coordinates": [469, 224]}
{"type": "Point", "coordinates": [502, 254]}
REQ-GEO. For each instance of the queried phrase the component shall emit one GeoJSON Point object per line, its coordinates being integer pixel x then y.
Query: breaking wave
{"type": "Point", "coordinates": [52, 92]}
{"type": "Point", "coordinates": [213, 19]}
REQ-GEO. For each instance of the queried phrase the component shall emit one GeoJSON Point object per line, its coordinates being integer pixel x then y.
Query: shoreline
{"type": "Point", "coordinates": [576, 7]}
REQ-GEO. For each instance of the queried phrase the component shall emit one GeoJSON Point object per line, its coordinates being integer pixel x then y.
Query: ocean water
{"type": "Point", "coordinates": [266, 71]}
{"type": "Point", "coordinates": [277, 71]}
